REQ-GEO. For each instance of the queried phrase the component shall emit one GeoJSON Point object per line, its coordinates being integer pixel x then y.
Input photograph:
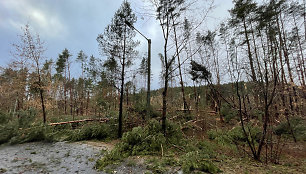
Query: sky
{"type": "Point", "coordinates": [75, 25]}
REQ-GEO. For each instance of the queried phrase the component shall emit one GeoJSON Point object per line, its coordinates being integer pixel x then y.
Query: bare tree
{"type": "Point", "coordinates": [31, 48]}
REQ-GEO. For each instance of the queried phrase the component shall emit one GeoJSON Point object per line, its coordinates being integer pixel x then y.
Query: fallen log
{"type": "Point", "coordinates": [103, 120]}
{"type": "Point", "coordinates": [184, 110]}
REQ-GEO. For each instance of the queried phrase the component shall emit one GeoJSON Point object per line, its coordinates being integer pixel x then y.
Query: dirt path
{"type": "Point", "coordinates": [60, 157]}
{"type": "Point", "coordinates": [57, 157]}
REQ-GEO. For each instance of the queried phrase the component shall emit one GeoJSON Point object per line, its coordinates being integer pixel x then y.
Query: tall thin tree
{"type": "Point", "coordinates": [117, 42]}
{"type": "Point", "coordinates": [31, 48]}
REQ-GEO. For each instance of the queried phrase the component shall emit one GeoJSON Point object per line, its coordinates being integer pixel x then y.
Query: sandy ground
{"type": "Point", "coordinates": [59, 157]}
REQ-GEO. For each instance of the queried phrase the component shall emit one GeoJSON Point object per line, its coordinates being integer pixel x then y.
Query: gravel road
{"type": "Point", "coordinates": [60, 157]}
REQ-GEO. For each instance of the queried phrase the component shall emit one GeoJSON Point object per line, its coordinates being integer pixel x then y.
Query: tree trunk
{"type": "Point", "coordinates": [87, 103]}
{"type": "Point", "coordinates": [285, 50]}
{"type": "Point", "coordinates": [165, 104]}
{"type": "Point", "coordinates": [41, 90]}
{"type": "Point", "coordinates": [121, 101]}
{"type": "Point", "coordinates": [43, 105]}
{"type": "Point", "coordinates": [249, 51]}
{"type": "Point", "coordinates": [127, 96]}
{"type": "Point", "coordinates": [70, 91]}
{"type": "Point", "coordinates": [196, 98]}
{"type": "Point", "coordinates": [179, 67]}
{"type": "Point", "coordinates": [121, 90]}
{"type": "Point", "coordinates": [304, 15]}
{"type": "Point", "coordinates": [266, 113]}
{"type": "Point", "coordinates": [167, 65]}
{"type": "Point", "coordinates": [65, 92]}
{"type": "Point", "coordinates": [251, 146]}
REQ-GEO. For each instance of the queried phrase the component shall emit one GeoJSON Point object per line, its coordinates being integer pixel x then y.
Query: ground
{"type": "Point", "coordinates": [57, 157]}
{"type": "Point", "coordinates": [60, 157]}
{"type": "Point", "coordinates": [80, 157]}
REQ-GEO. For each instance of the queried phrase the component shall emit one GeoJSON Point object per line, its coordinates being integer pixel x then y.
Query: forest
{"type": "Point", "coordinates": [230, 100]}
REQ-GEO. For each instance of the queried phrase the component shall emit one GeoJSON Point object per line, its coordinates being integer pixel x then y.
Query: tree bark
{"type": "Point", "coordinates": [41, 90]}
{"type": "Point", "coordinates": [121, 90]}
{"type": "Point", "coordinates": [165, 88]}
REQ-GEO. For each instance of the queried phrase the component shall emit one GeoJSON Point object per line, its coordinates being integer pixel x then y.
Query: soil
{"type": "Point", "coordinates": [59, 157]}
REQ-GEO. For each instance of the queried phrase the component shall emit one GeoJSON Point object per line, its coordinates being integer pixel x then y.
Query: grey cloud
{"type": "Point", "coordinates": [72, 24]}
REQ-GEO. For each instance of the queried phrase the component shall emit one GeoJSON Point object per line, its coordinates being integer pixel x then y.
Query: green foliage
{"type": "Point", "coordinates": [111, 158]}
{"type": "Point", "coordinates": [143, 141]}
{"type": "Point", "coordinates": [207, 148]}
{"type": "Point", "coordinates": [234, 135]}
{"type": "Point", "coordinates": [219, 136]}
{"type": "Point", "coordinates": [228, 113]}
{"type": "Point", "coordinates": [198, 161]}
{"type": "Point", "coordinates": [161, 165]}
{"type": "Point", "coordinates": [258, 114]}
{"type": "Point", "coordinates": [173, 133]}
{"type": "Point", "coordinates": [23, 129]}
{"type": "Point", "coordinates": [298, 125]}
{"type": "Point", "coordinates": [140, 142]}
{"type": "Point", "coordinates": [147, 140]}
{"type": "Point", "coordinates": [131, 163]}
{"type": "Point", "coordinates": [38, 132]}
{"type": "Point", "coordinates": [91, 131]}
{"type": "Point", "coordinates": [33, 134]}
{"type": "Point", "coordinates": [61, 127]}
{"type": "Point", "coordinates": [7, 131]}
{"type": "Point", "coordinates": [116, 32]}
{"type": "Point", "coordinates": [62, 61]}
{"type": "Point", "coordinates": [197, 157]}
{"type": "Point", "coordinates": [26, 117]}
{"type": "Point", "coordinates": [141, 109]}
{"type": "Point", "coordinates": [199, 72]}
{"type": "Point", "coordinates": [4, 118]}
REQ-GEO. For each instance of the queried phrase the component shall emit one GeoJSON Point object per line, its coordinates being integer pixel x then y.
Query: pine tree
{"type": "Point", "coordinates": [117, 43]}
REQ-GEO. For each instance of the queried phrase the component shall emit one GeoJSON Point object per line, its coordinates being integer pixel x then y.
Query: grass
{"type": "Point", "coordinates": [235, 165]}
